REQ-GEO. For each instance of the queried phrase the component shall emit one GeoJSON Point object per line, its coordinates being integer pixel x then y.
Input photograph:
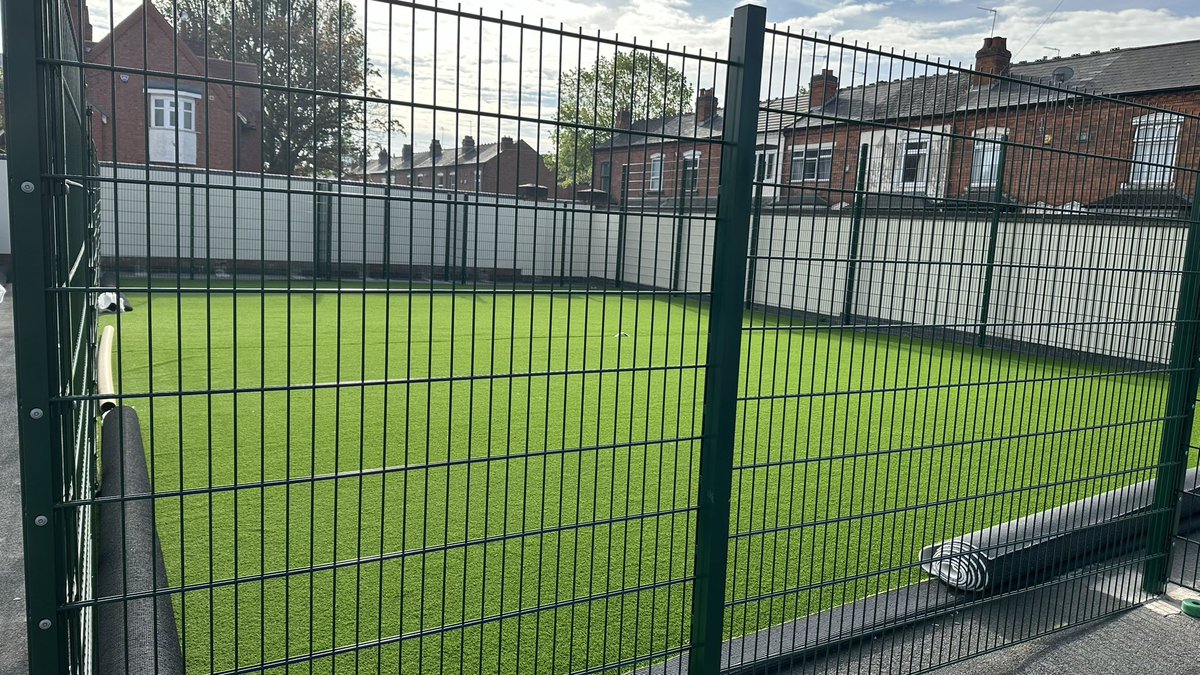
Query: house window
{"type": "Point", "coordinates": [171, 112]}
{"type": "Point", "coordinates": [764, 165]}
{"type": "Point", "coordinates": [691, 171]}
{"type": "Point", "coordinates": [441, 180]}
{"type": "Point", "coordinates": [1154, 140]}
{"type": "Point", "coordinates": [605, 180]}
{"type": "Point", "coordinates": [420, 180]}
{"type": "Point", "coordinates": [812, 164]}
{"type": "Point", "coordinates": [914, 163]}
{"type": "Point", "coordinates": [656, 173]}
{"type": "Point", "coordinates": [985, 158]}
{"type": "Point", "coordinates": [172, 132]}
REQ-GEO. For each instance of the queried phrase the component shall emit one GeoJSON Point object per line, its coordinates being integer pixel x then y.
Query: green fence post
{"type": "Point", "coordinates": [562, 250]}
{"type": "Point", "coordinates": [465, 230]}
{"type": "Point", "coordinates": [993, 233]}
{"type": "Point", "coordinates": [27, 37]}
{"type": "Point", "coordinates": [622, 215]}
{"type": "Point", "coordinates": [191, 223]}
{"type": "Point", "coordinates": [1179, 413]}
{"type": "Point", "coordinates": [856, 224]}
{"type": "Point", "coordinates": [678, 240]}
{"type": "Point", "coordinates": [734, 203]}
{"type": "Point", "coordinates": [387, 227]}
{"type": "Point", "coordinates": [755, 229]}
{"type": "Point", "coordinates": [323, 230]}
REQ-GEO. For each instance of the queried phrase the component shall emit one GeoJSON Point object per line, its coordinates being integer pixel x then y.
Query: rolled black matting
{"type": "Point", "coordinates": [135, 636]}
{"type": "Point", "coordinates": [1026, 551]}
{"type": "Point", "coordinates": [1100, 529]}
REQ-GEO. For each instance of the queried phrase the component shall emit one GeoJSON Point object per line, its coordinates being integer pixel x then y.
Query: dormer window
{"type": "Point", "coordinates": [172, 132]}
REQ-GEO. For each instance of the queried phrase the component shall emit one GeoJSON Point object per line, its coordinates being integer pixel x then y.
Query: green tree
{"type": "Point", "coordinates": [306, 46]}
{"type": "Point", "coordinates": [591, 97]}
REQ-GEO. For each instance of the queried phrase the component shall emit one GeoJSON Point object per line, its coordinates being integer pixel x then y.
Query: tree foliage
{"type": "Point", "coordinates": [305, 46]}
{"type": "Point", "coordinates": [591, 97]}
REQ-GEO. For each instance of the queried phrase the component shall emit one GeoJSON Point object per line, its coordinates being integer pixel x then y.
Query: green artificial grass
{"type": "Point", "coordinates": [474, 493]}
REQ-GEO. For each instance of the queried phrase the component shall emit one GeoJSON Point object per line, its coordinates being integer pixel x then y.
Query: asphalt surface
{"type": "Point", "coordinates": [12, 574]}
{"type": "Point", "coordinates": [1114, 636]}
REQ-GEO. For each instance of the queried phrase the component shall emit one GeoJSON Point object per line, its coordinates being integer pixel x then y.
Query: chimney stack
{"type": "Point", "coordinates": [993, 59]}
{"type": "Point", "coordinates": [435, 149]}
{"type": "Point", "coordinates": [384, 160]}
{"type": "Point", "coordinates": [822, 88]}
{"type": "Point", "coordinates": [468, 146]}
{"type": "Point", "coordinates": [81, 24]}
{"type": "Point", "coordinates": [624, 118]}
{"type": "Point", "coordinates": [706, 105]}
{"type": "Point", "coordinates": [406, 154]}
{"type": "Point", "coordinates": [506, 143]}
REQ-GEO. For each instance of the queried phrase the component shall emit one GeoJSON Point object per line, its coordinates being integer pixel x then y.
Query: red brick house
{"type": "Point", "coordinates": [180, 120]}
{"type": "Point", "coordinates": [510, 167]}
{"type": "Point", "coordinates": [931, 141]}
{"type": "Point", "coordinates": [673, 161]}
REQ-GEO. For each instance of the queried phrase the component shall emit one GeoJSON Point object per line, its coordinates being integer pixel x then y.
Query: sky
{"type": "Point", "coordinates": [511, 71]}
{"type": "Point", "coordinates": [951, 29]}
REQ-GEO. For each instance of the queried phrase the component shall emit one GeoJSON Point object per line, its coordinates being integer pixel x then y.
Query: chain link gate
{"type": "Point", "coordinates": [636, 378]}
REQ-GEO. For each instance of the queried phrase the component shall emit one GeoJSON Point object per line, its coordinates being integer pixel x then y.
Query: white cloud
{"type": "Point", "coordinates": [500, 73]}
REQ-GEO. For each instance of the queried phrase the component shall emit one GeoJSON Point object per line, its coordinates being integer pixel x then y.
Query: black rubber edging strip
{"type": "Point", "coordinates": [137, 636]}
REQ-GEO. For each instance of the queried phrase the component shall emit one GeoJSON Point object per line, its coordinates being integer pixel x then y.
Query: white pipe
{"type": "Point", "coordinates": [104, 380]}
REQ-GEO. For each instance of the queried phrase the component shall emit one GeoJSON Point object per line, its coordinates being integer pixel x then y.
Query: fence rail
{"type": "Point", "coordinates": [677, 361]}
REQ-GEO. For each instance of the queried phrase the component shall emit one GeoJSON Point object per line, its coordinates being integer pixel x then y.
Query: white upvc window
{"type": "Point", "coordinates": [985, 156]}
{"type": "Point", "coordinates": [1155, 138]}
{"type": "Point", "coordinates": [691, 171]}
{"type": "Point", "coordinates": [812, 163]}
{"type": "Point", "coordinates": [655, 173]}
{"type": "Point", "coordinates": [172, 132]}
{"type": "Point", "coordinates": [172, 112]}
{"type": "Point", "coordinates": [765, 161]}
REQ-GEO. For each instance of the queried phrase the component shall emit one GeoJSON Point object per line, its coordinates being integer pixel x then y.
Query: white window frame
{"type": "Point", "coordinates": [1160, 149]}
{"type": "Point", "coordinates": [824, 153]}
{"type": "Point", "coordinates": [904, 150]}
{"type": "Point", "coordinates": [655, 173]}
{"type": "Point", "coordinates": [986, 155]}
{"type": "Point", "coordinates": [605, 179]}
{"type": "Point", "coordinates": [766, 165]}
{"type": "Point", "coordinates": [178, 109]}
{"type": "Point", "coordinates": [691, 171]}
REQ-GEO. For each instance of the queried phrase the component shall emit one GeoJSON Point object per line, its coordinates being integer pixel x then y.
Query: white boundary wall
{"type": "Point", "coordinates": [1072, 283]}
{"type": "Point", "coordinates": [5, 228]}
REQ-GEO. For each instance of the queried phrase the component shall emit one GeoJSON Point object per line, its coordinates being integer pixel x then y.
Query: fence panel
{"type": "Point", "coordinates": [954, 394]}
{"type": "Point", "coordinates": [397, 407]}
{"type": "Point", "coordinates": [54, 259]}
{"type": "Point", "coordinates": [618, 375]}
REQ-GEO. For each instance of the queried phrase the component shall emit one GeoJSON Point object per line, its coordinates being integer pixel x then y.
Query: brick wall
{"type": "Point", "coordinates": [502, 173]}
{"type": "Point", "coordinates": [121, 103]}
{"type": "Point", "coordinates": [637, 159]}
{"type": "Point", "coordinates": [1061, 153]}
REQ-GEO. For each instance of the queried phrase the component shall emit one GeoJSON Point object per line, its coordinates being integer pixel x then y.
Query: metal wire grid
{"type": "Point", "coordinates": [840, 399]}
{"type": "Point", "coordinates": [873, 417]}
{"type": "Point", "coordinates": [488, 467]}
